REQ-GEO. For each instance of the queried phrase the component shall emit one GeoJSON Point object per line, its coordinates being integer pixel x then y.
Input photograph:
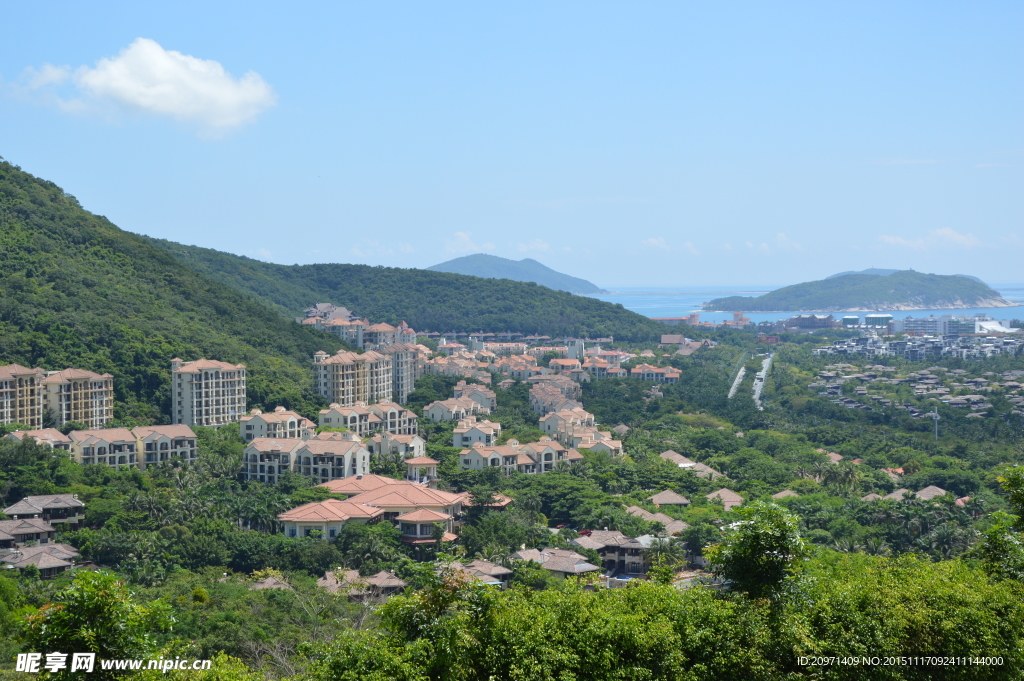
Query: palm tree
{"type": "Point", "coordinates": [668, 551]}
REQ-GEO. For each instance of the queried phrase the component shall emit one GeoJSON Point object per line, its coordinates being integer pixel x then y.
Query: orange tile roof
{"type": "Point", "coordinates": [330, 510]}
{"type": "Point", "coordinates": [359, 484]}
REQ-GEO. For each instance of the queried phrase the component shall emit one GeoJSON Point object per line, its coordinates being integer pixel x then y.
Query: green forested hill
{"type": "Point", "coordinates": [435, 301]}
{"type": "Point", "coordinates": [77, 291]}
{"type": "Point", "coordinates": [527, 269]}
{"type": "Point", "coordinates": [906, 290]}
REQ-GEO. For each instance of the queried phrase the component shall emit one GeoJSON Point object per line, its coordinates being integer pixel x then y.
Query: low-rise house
{"type": "Point", "coordinates": [560, 562]}
{"type": "Point", "coordinates": [380, 585]}
{"type": "Point", "coordinates": [326, 518]}
{"type": "Point", "coordinates": [482, 395]}
{"type": "Point", "coordinates": [358, 484]}
{"type": "Point", "coordinates": [405, 497]}
{"type": "Point", "coordinates": [669, 498]}
{"type": "Point", "coordinates": [421, 469]}
{"type": "Point", "coordinates": [646, 372]}
{"type": "Point", "coordinates": [279, 424]}
{"type": "Point", "coordinates": [784, 494]}
{"type": "Point", "coordinates": [50, 559]}
{"type": "Point", "coordinates": [671, 525]}
{"type": "Point", "coordinates": [270, 582]}
{"type": "Point", "coordinates": [470, 431]}
{"type": "Point", "coordinates": [52, 508]}
{"type": "Point", "coordinates": [420, 526]}
{"type": "Point", "coordinates": [455, 409]}
{"type": "Point", "coordinates": [162, 443]}
{"type": "Point", "coordinates": [699, 469]}
{"type": "Point", "coordinates": [930, 492]}
{"type": "Point", "coordinates": [728, 498]}
{"type": "Point", "coordinates": [114, 447]}
{"type": "Point", "coordinates": [23, 530]}
{"type": "Point", "coordinates": [485, 571]}
{"type": "Point", "coordinates": [50, 437]}
{"type": "Point", "coordinates": [405, 446]}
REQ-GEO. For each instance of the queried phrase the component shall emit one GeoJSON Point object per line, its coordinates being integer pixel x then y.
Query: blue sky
{"type": "Point", "coordinates": [633, 144]}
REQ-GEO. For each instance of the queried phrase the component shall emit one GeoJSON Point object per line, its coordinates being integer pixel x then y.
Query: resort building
{"type": "Point", "coordinates": [326, 457]}
{"type": "Point", "coordinates": [365, 420]}
{"type": "Point", "coordinates": [348, 378]}
{"type": "Point", "coordinates": [207, 392]}
{"type": "Point", "coordinates": [79, 395]}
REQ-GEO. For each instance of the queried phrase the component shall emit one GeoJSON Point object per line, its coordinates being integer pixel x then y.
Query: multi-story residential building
{"type": "Point", "coordinates": [114, 447]}
{"type": "Point", "coordinates": [379, 335]}
{"type": "Point", "coordinates": [364, 419]}
{"type": "Point", "coordinates": [406, 367]}
{"type": "Point", "coordinates": [207, 392]}
{"type": "Point", "coordinates": [79, 395]}
{"type": "Point", "coordinates": [348, 378]}
{"type": "Point", "coordinates": [163, 443]}
{"type": "Point", "coordinates": [326, 457]}
{"type": "Point", "coordinates": [530, 459]}
{"type": "Point", "coordinates": [21, 395]}
{"type": "Point", "coordinates": [120, 447]}
{"type": "Point", "coordinates": [279, 424]}
{"type": "Point", "coordinates": [646, 372]}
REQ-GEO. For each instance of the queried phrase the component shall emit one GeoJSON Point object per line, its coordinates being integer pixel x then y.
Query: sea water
{"type": "Point", "coordinates": [680, 301]}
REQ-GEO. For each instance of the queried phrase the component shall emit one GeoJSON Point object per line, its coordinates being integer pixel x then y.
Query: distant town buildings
{"type": "Point", "coordinates": [207, 392]}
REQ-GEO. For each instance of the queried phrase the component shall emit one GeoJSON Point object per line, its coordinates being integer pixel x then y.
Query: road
{"type": "Point", "coordinates": [759, 380]}
{"type": "Point", "coordinates": [736, 383]}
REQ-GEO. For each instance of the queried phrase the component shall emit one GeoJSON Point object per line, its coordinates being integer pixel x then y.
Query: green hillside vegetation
{"type": "Point", "coordinates": [77, 291]}
{"type": "Point", "coordinates": [434, 301]}
{"type": "Point", "coordinates": [904, 290]}
{"type": "Point", "coordinates": [527, 269]}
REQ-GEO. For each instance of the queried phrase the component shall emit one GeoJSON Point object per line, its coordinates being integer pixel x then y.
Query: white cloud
{"type": "Point", "coordinates": [656, 242]}
{"type": "Point", "coordinates": [462, 242]}
{"type": "Point", "coordinates": [939, 238]}
{"type": "Point", "coordinates": [535, 245]}
{"type": "Point", "coordinates": [145, 77]}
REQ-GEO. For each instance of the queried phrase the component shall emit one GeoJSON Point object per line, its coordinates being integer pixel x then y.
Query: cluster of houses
{"type": "Point", "coordinates": [923, 348]}
{"type": "Point", "coordinates": [27, 537]}
{"type": "Point", "coordinates": [937, 383]}
{"type": "Point", "coordinates": [283, 441]}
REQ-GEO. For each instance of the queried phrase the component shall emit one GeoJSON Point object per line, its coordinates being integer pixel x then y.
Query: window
{"type": "Point", "coordinates": [291, 532]}
{"type": "Point", "coordinates": [333, 532]}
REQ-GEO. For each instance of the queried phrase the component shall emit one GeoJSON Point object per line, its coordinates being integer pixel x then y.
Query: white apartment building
{"type": "Point", "coordinates": [79, 395]}
{"type": "Point", "coordinates": [406, 367]}
{"type": "Point", "coordinates": [207, 392]}
{"type": "Point", "coordinates": [348, 378]}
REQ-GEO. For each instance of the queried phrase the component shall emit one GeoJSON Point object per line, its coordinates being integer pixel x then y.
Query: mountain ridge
{"type": "Point", "coordinates": [528, 270]}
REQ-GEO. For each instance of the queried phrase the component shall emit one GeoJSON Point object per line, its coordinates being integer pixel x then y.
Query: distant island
{"type": "Point", "coordinates": [527, 269]}
{"type": "Point", "coordinates": [886, 273]}
{"type": "Point", "coordinates": [859, 292]}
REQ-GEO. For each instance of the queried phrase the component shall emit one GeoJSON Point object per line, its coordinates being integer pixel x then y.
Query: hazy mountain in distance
{"type": "Point", "coordinates": [886, 273]}
{"type": "Point", "coordinates": [527, 269]}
